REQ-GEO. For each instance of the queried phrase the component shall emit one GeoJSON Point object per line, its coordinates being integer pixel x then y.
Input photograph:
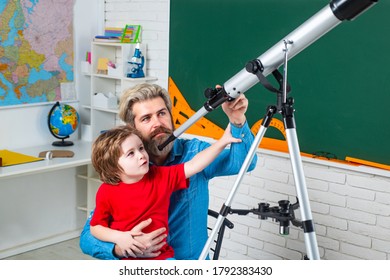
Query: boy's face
{"type": "Point", "coordinates": [134, 160]}
{"type": "Point", "coordinates": [153, 120]}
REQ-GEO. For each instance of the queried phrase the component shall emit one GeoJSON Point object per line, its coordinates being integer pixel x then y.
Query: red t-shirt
{"type": "Point", "coordinates": [123, 206]}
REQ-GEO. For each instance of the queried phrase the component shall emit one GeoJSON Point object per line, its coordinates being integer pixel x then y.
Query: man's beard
{"type": "Point", "coordinates": [151, 145]}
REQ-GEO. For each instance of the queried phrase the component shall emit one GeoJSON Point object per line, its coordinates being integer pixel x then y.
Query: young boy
{"type": "Point", "coordinates": [132, 191]}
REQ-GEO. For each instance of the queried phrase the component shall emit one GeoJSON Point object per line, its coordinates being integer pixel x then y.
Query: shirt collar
{"type": "Point", "coordinates": [177, 151]}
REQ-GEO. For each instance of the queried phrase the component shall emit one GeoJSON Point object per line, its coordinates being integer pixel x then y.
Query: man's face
{"type": "Point", "coordinates": [153, 120]}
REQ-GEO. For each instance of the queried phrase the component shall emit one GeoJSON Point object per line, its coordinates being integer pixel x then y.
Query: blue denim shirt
{"type": "Point", "coordinates": [188, 208]}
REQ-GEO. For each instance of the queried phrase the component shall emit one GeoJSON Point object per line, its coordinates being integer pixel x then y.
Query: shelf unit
{"type": "Point", "coordinates": [93, 183]}
{"type": "Point", "coordinates": [115, 83]}
{"type": "Point", "coordinates": [103, 118]}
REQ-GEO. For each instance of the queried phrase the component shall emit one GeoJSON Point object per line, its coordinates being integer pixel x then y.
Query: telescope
{"type": "Point", "coordinates": [256, 70]}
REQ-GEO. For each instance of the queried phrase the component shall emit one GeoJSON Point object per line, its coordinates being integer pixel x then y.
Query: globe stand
{"type": "Point", "coordinates": [61, 143]}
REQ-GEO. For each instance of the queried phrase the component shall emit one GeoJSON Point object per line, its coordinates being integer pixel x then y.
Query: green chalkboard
{"type": "Point", "coordinates": [340, 83]}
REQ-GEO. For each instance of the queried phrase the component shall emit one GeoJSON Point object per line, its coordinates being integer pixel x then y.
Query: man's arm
{"type": "Point", "coordinates": [235, 111]}
{"type": "Point", "coordinates": [124, 239]}
{"type": "Point", "coordinates": [202, 159]}
{"type": "Point", "coordinates": [96, 248]}
{"type": "Point", "coordinates": [229, 162]}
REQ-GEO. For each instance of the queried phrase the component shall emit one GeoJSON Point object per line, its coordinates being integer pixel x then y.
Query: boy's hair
{"type": "Point", "coordinates": [106, 151]}
{"type": "Point", "coordinates": [139, 93]}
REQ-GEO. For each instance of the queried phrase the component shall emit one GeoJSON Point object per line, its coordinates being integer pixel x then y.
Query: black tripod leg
{"type": "Point", "coordinates": [300, 183]}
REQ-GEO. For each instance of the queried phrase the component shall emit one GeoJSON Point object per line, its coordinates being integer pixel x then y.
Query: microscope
{"type": "Point", "coordinates": [136, 64]}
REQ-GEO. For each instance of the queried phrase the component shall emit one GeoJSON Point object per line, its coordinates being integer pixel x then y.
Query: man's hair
{"type": "Point", "coordinates": [106, 151]}
{"type": "Point", "coordinates": [139, 93]}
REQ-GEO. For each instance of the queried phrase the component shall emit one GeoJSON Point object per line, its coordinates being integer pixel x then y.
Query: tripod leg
{"type": "Point", "coordinates": [248, 159]}
{"type": "Point", "coordinates": [300, 184]}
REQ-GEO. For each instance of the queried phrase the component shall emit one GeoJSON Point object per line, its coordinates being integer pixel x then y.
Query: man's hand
{"type": "Point", "coordinates": [152, 242]}
{"type": "Point", "coordinates": [128, 246]}
{"type": "Point", "coordinates": [236, 109]}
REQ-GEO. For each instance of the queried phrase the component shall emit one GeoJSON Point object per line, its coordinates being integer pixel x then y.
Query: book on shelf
{"type": "Point", "coordinates": [108, 39]}
{"type": "Point", "coordinates": [129, 34]}
{"type": "Point", "coordinates": [113, 31]}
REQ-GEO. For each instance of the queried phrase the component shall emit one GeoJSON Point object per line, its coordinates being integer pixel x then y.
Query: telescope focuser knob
{"type": "Point", "coordinates": [210, 92]}
{"type": "Point", "coordinates": [254, 66]}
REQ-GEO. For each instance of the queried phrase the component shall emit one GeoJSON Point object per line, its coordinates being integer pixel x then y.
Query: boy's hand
{"type": "Point", "coordinates": [227, 137]}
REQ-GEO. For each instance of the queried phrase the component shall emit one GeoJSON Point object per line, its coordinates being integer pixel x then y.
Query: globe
{"type": "Point", "coordinates": [63, 120]}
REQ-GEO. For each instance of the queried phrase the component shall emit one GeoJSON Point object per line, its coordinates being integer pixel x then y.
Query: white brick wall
{"type": "Point", "coordinates": [350, 208]}
{"type": "Point", "coordinates": [153, 16]}
{"type": "Point", "coordinates": [350, 205]}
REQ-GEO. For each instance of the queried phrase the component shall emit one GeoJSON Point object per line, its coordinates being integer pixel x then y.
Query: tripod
{"type": "Point", "coordinates": [285, 108]}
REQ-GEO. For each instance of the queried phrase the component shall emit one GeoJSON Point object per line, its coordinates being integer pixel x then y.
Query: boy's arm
{"type": "Point", "coordinates": [229, 161]}
{"type": "Point", "coordinates": [201, 160]}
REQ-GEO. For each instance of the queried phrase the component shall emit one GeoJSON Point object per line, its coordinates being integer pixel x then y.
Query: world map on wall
{"type": "Point", "coordinates": [36, 50]}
